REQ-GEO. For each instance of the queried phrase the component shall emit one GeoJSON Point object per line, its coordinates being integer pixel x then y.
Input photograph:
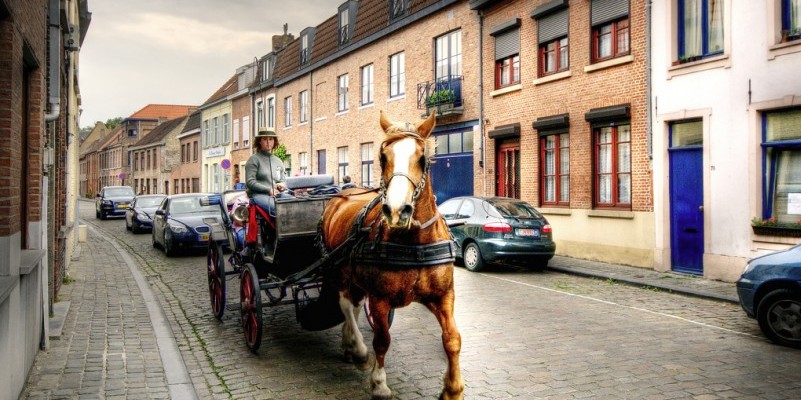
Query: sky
{"type": "Point", "coordinates": [178, 51]}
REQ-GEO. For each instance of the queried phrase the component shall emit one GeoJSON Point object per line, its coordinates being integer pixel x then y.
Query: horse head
{"type": "Point", "coordinates": [404, 168]}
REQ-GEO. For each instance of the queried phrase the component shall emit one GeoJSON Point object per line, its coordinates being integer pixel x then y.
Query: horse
{"type": "Point", "coordinates": [406, 222]}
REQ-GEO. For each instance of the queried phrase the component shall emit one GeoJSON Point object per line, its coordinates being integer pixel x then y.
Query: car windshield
{"type": "Point", "coordinates": [148, 201]}
{"type": "Point", "coordinates": [517, 209]}
{"type": "Point", "coordinates": [123, 191]}
{"type": "Point", "coordinates": [191, 205]}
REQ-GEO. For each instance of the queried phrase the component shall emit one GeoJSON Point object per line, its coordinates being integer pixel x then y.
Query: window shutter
{"type": "Point", "coordinates": [551, 27]}
{"type": "Point", "coordinates": [608, 10]}
{"type": "Point", "coordinates": [507, 44]}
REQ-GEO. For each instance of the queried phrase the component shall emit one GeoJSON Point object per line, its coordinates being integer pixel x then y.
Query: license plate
{"type": "Point", "coordinates": [528, 232]}
{"type": "Point", "coordinates": [122, 206]}
{"type": "Point", "coordinates": [204, 237]}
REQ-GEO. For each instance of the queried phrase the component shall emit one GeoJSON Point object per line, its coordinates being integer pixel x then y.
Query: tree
{"type": "Point", "coordinates": [280, 152]}
{"type": "Point", "coordinates": [112, 123]}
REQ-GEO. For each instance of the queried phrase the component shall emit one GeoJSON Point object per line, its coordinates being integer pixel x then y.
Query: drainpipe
{"type": "Point", "coordinates": [481, 98]}
{"type": "Point", "coordinates": [649, 119]}
{"type": "Point", "coordinates": [54, 72]}
{"type": "Point", "coordinates": [311, 119]}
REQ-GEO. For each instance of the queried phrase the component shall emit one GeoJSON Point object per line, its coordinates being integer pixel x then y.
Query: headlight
{"type": "Point", "coordinates": [178, 228]}
{"type": "Point", "coordinates": [143, 217]}
{"type": "Point", "coordinates": [107, 202]}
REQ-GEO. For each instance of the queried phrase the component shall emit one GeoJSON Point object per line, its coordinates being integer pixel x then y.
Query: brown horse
{"type": "Point", "coordinates": [407, 217]}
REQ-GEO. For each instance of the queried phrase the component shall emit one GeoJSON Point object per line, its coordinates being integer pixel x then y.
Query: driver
{"type": "Point", "coordinates": [264, 172]}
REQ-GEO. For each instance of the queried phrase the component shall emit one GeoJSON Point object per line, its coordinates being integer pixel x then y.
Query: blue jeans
{"type": "Point", "coordinates": [267, 202]}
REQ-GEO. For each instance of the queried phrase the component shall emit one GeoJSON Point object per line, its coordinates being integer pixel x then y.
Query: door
{"type": "Point", "coordinates": [452, 176]}
{"type": "Point", "coordinates": [508, 169]}
{"type": "Point", "coordinates": [686, 209]}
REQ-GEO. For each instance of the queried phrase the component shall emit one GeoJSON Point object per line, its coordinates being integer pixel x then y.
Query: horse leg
{"type": "Point", "coordinates": [381, 339]}
{"type": "Point", "coordinates": [352, 340]}
{"type": "Point", "coordinates": [452, 343]}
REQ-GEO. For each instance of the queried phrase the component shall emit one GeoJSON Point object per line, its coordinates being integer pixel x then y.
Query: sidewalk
{"type": "Point", "coordinates": [113, 341]}
{"type": "Point", "coordinates": [670, 281]}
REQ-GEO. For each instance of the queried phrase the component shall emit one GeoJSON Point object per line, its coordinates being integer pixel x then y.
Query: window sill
{"type": "Point", "coordinates": [320, 119]}
{"type": "Point", "coordinates": [396, 98]}
{"type": "Point", "coordinates": [611, 214]}
{"type": "Point", "coordinates": [286, 128]}
{"type": "Point", "coordinates": [341, 113]}
{"type": "Point", "coordinates": [780, 49]}
{"type": "Point", "coordinates": [303, 123]}
{"type": "Point", "coordinates": [609, 63]}
{"type": "Point", "coordinates": [551, 78]}
{"type": "Point", "coordinates": [508, 89]}
{"type": "Point", "coordinates": [555, 211]}
{"type": "Point", "coordinates": [365, 106]}
{"type": "Point", "coordinates": [705, 64]}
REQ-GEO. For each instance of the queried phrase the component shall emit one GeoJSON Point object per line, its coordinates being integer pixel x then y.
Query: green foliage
{"type": "Point", "coordinates": [444, 96]}
{"type": "Point", "coordinates": [772, 222]}
{"type": "Point", "coordinates": [280, 152]}
{"type": "Point", "coordinates": [112, 123]}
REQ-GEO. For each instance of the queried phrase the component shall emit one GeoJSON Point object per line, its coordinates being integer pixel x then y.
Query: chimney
{"type": "Point", "coordinates": [280, 41]}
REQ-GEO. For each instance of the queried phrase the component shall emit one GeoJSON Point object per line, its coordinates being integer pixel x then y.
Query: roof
{"type": "Point", "coordinates": [193, 123]}
{"type": "Point", "coordinates": [162, 111]}
{"type": "Point", "coordinates": [228, 88]}
{"type": "Point", "coordinates": [161, 131]}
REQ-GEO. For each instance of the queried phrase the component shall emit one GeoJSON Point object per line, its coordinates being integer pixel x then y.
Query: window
{"type": "Point", "coordinates": [454, 142]}
{"type": "Point", "coordinates": [397, 8]}
{"type": "Point", "coordinates": [183, 153]}
{"type": "Point", "coordinates": [288, 111]}
{"type": "Point", "coordinates": [448, 56]}
{"type": "Point", "coordinates": [343, 26]}
{"type": "Point", "coordinates": [367, 164]}
{"type": "Point", "coordinates": [226, 128]}
{"type": "Point", "coordinates": [610, 29]}
{"type": "Point", "coordinates": [367, 84]}
{"type": "Point", "coordinates": [342, 92]}
{"type": "Point", "coordinates": [194, 154]}
{"type": "Point", "coordinates": [245, 131]}
{"type": "Point", "coordinates": [260, 114]}
{"type": "Point", "coordinates": [781, 152]}
{"type": "Point", "coordinates": [304, 105]}
{"type": "Point", "coordinates": [267, 69]}
{"type": "Point", "coordinates": [189, 152]}
{"type": "Point", "coordinates": [397, 75]}
{"type": "Point", "coordinates": [216, 124]}
{"type": "Point", "coordinates": [206, 134]}
{"type": "Point", "coordinates": [700, 31]}
{"type": "Point", "coordinates": [131, 132]}
{"type": "Point", "coordinates": [552, 29]}
{"type": "Point", "coordinates": [507, 50]}
{"type": "Point", "coordinates": [321, 162]}
{"type": "Point", "coordinates": [271, 112]}
{"type": "Point", "coordinates": [304, 49]}
{"type": "Point", "coordinates": [613, 166]}
{"type": "Point", "coordinates": [342, 162]}
{"type": "Point", "coordinates": [791, 20]}
{"type": "Point", "coordinates": [236, 133]}
{"type": "Point", "coordinates": [303, 160]}
{"type": "Point", "coordinates": [555, 169]}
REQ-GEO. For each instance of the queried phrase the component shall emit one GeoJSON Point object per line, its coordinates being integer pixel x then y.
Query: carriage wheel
{"type": "Point", "coordinates": [251, 312]}
{"type": "Point", "coordinates": [371, 318]}
{"type": "Point", "coordinates": [216, 277]}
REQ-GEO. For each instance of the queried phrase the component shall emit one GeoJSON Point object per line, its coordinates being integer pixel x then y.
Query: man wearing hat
{"type": "Point", "coordinates": [264, 172]}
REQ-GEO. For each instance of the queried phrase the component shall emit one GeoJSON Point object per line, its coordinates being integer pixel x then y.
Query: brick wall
{"type": "Point", "coordinates": [189, 169]}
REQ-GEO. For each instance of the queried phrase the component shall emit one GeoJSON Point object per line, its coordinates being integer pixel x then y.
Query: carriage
{"type": "Point", "coordinates": [281, 263]}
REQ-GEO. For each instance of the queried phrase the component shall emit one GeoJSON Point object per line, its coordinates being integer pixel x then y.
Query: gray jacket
{"type": "Point", "coordinates": [262, 171]}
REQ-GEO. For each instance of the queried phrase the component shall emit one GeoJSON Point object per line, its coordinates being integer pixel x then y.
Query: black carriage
{"type": "Point", "coordinates": [280, 263]}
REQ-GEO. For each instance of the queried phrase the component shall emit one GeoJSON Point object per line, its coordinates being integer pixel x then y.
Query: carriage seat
{"type": "Point", "coordinates": [302, 184]}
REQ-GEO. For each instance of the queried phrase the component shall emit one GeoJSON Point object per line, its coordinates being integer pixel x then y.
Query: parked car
{"type": "Point", "coordinates": [139, 215]}
{"type": "Point", "coordinates": [770, 291]}
{"type": "Point", "coordinates": [498, 229]}
{"type": "Point", "coordinates": [113, 200]}
{"type": "Point", "coordinates": [181, 221]}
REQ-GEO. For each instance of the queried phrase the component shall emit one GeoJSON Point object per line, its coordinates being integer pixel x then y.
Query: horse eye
{"type": "Point", "coordinates": [422, 162]}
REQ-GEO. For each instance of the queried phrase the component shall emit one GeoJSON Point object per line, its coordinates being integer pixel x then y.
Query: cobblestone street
{"type": "Point", "coordinates": [525, 335]}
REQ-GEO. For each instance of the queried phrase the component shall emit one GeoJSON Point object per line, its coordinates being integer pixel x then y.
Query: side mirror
{"type": "Point", "coordinates": [97, 195]}
{"type": "Point", "coordinates": [160, 212]}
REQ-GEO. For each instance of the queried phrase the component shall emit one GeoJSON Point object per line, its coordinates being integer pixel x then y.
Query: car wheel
{"type": "Point", "coordinates": [135, 226]}
{"type": "Point", "coordinates": [102, 215]}
{"type": "Point", "coordinates": [472, 258]}
{"type": "Point", "coordinates": [97, 213]}
{"type": "Point", "coordinates": [169, 251]}
{"type": "Point", "coordinates": [779, 316]}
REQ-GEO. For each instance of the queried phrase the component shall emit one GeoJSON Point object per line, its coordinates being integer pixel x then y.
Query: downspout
{"type": "Point", "coordinates": [649, 118]}
{"type": "Point", "coordinates": [54, 70]}
{"type": "Point", "coordinates": [481, 127]}
{"type": "Point", "coordinates": [311, 119]}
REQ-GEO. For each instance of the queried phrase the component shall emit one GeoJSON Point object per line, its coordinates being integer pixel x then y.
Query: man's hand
{"type": "Point", "coordinates": [280, 186]}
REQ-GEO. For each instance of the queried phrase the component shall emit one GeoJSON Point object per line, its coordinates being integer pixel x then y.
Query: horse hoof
{"type": "Point", "coordinates": [374, 397]}
{"type": "Point", "coordinates": [445, 396]}
{"type": "Point", "coordinates": [363, 364]}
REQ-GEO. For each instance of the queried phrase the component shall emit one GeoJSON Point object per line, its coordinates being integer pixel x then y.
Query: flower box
{"type": "Point", "coordinates": [776, 231]}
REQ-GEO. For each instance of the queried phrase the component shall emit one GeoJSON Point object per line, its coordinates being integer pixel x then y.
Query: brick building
{"type": "Point", "coordinates": [186, 175]}
{"type": "Point", "coordinates": [87, 164]}
{"type": "Point", "coordinates": [565, 107]}
{"type": "Point", "coordinates": [39, 48]}
{"type": "Point", "coordinates": [155, 156]}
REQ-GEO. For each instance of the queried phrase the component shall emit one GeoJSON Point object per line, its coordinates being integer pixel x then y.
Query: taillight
{"type": "Point", "coordinates": [547, 228]}
{"type": "Point", "coordinates": [497, 227]}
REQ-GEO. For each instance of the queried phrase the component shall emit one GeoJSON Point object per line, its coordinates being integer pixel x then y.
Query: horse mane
{"type": "Point", "coordinates": [402, 130]}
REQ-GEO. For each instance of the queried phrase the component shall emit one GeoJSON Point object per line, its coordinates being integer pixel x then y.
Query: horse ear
{"type": "Point", "coordinates": [425, 127]}
{"type": "Point", "coordinates": [385, 122]}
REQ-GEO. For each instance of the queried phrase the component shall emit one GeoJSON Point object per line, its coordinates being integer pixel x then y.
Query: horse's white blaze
{"type": "Point", "coordinates": [352, 340]}
{"type": "Point", "coordinates": [378, 381]}
{"type": "Point", "coordinates": [399, 191]}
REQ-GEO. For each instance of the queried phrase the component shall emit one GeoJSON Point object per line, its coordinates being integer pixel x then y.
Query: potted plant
{"type": "Point", "coordinates": [442, 99]}
{"type": "Point", "coordinates": [773, 228]}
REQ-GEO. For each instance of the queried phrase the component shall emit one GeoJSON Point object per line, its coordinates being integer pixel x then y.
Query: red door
{"type": "Point", "coordinates": [508, 169]}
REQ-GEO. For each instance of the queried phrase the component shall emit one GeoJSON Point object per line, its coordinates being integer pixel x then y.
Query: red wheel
{"type": "Point", "coordinates": [216, 277]}
{"type": "Point", "coordinates": [371, 318]}
{"type": "Point", "coordinates": [251, 312]}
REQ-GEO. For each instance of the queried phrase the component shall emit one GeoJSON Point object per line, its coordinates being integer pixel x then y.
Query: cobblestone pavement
{"type": "Point", "coordinates": [525, 334]}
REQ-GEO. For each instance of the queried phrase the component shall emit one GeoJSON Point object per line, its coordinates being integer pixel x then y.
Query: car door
{"type": "Point", "coordinates": [160, 220]}
{"type": "Point", "coordinates": [455, 213]}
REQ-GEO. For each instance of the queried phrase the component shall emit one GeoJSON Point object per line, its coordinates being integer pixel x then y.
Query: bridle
{"type": "Point", "coordinates": [408, 132]}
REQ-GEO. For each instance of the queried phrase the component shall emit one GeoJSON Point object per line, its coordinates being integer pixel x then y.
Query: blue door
{"type": "Point", "coordinates": [452, 176]}
{"type": "Point", "coordinates": [686, 209]}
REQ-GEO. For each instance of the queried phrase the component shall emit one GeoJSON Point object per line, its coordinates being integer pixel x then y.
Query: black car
{"type": "Point", "coordinates": [113, 200]}
{"type": "Point", "coordinates": [139, 216]}
{"type": "Point", "coordinates": [498, 229]}
{"type": "Point", "coordinates": [182, 221]}
{"type": "Point", "coordinates": [770, 291]}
